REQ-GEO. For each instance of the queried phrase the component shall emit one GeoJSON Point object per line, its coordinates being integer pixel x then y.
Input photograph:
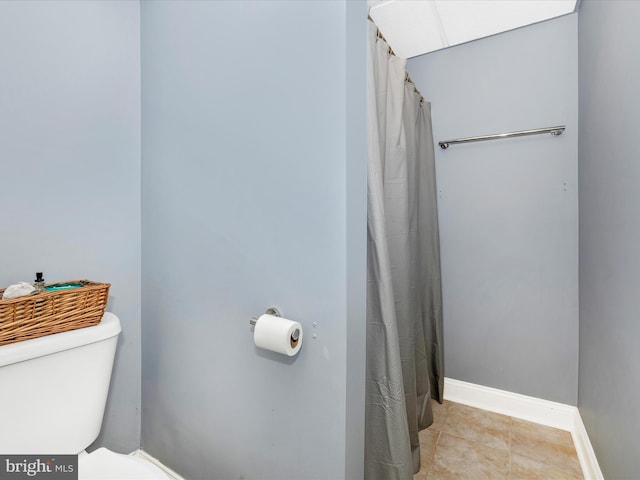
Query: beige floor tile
{"type": "Point", "coordinates": [428, 441]}
{"type": "Point", "coordinates": [440, 409]}
{"type": "Point", "coordinates": [490, 429]}
{"type": "Point", "coordinates": [421, 475]}
{"type": "Point", "coordinates": [439, 413]}
{"type": "Point", "coordinates": [460, 459]}
{"type": "Point", "coordinates": [523, 468]}
{"type": "Point", "coordinates": [546, 445]}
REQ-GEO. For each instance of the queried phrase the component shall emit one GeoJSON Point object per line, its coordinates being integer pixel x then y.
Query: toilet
{"type": "Point", "coordinates": [54, 391]}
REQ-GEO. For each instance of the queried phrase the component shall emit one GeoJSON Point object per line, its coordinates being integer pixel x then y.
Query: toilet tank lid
{"type": "Point", "coordinates": [108, 327]}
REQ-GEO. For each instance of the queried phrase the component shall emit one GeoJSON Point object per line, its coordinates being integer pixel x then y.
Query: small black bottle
{"type": "Point", "coordinates": [39, 282]}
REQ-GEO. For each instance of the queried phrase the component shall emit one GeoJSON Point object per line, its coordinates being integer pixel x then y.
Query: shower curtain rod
{"type": "Point", "coordinates": [407, 78]}
{"type": "Point", "coordinates": [555, 131]}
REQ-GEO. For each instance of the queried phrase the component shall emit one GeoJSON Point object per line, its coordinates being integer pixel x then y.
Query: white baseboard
{"type": "Point", "coordinates": [170, 473]}
{"type": "Point", "coordinates": [586, 455]}
{"type": "Point", "coordinates": [545, 412]}
{"type": "Point", "coordinates": [552, 414]}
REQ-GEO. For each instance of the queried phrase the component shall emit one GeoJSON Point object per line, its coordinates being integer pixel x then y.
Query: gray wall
{"type": "Point", "coordinates": [70, 177]}
{"type": "Point", "coordinates": [609, 391]}
{"type": "Point", "coordinates": [356, 198]}
{"type": "Point", "coordinates": [508, 209]}
{"type": "Point", "coordinates": [245, 198]}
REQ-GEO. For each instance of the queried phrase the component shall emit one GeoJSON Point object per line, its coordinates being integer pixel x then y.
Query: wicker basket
{"type": "Point", "coordinates": [44, 313]}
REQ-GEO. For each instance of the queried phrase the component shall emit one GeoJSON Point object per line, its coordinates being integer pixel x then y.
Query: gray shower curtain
{"type": "Point", "coordinates": [404, 299]}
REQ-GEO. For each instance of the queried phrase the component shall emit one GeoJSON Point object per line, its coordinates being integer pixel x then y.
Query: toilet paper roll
{"type": "Point", "coordinates": [278, 334]}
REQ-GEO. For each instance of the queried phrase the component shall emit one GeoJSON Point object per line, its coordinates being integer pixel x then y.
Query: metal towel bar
{"type": "Point", "coordinates": [555, 131]}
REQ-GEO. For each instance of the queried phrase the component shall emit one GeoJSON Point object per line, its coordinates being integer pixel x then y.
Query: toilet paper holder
{"type": "Point", "coordinates": [276, 313]}
{"type": "Point", "coordinates": [269, 311]}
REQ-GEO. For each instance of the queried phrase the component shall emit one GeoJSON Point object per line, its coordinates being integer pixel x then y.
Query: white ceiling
{"type": "Point", "coordinates": [414, 27]}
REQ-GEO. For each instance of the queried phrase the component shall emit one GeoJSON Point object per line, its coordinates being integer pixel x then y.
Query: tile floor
{"type": "Point", "coordinates": [468, 443]}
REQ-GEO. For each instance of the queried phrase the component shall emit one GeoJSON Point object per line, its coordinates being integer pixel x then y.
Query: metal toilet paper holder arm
{"type": "Point", "coordinates": [269, 311]}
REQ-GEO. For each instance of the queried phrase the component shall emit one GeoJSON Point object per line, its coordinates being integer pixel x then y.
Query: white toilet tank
{"type": "Point", "coordinates": [53, 389]}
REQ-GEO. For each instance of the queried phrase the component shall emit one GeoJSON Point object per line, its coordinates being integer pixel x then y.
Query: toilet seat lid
{"type": "Point", "coordinates": [103, 464]}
